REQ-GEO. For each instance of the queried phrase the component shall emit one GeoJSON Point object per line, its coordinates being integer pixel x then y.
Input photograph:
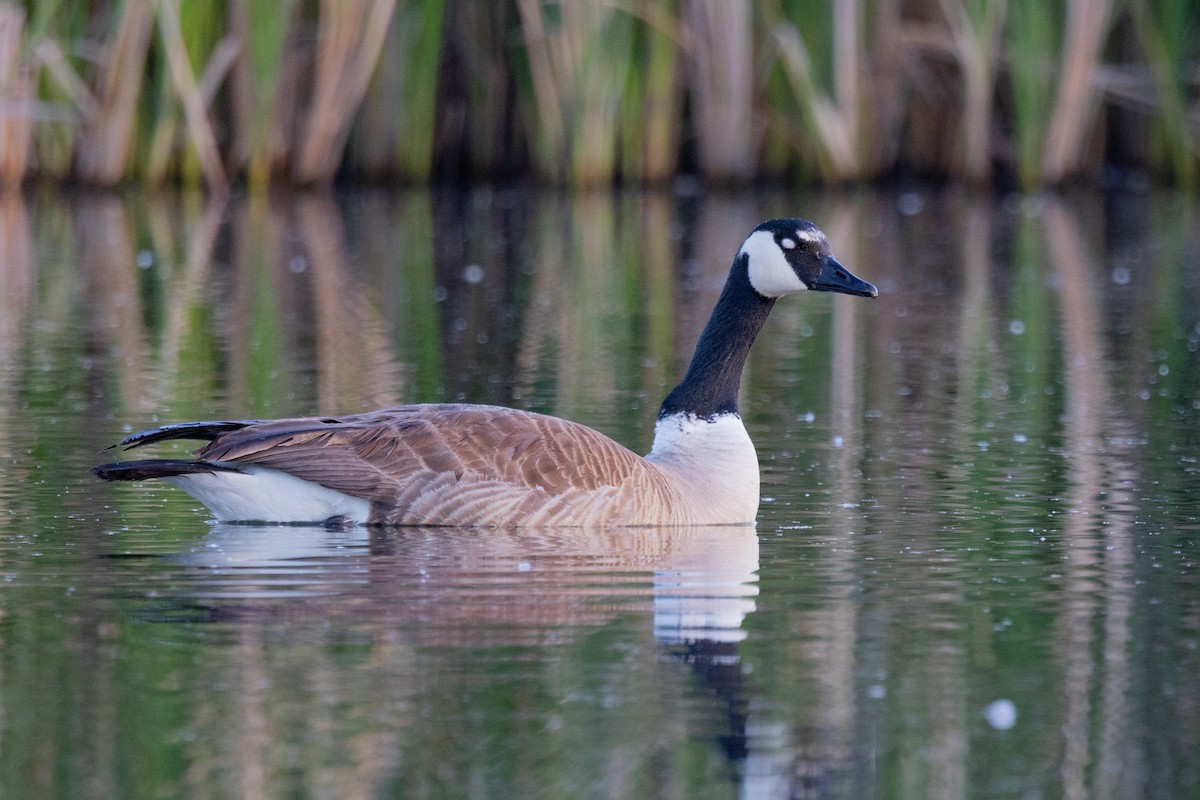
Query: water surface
{"type": "Point", "coordinates": [974, 571]}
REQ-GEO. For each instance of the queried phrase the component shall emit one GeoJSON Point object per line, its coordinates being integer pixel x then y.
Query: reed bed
{"type": "Point", "coordinates": [596, 92]}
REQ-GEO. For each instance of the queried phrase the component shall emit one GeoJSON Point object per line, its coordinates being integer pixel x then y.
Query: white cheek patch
{"type": "Point", "coordinates": [770, 273]}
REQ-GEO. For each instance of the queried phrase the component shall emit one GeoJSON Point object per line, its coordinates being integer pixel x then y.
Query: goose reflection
{"type": "Point", "coordinates": [493, 586]}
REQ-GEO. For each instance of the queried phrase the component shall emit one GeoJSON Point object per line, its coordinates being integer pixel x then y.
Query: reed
{"type": "Point", "coordinates": [16, 98]}
{"type": "Point", "coordinates": [585, 92]}
{"type": "Point", "coordinates": [350, 37]}
{"type": "Point", "coordinates": [578, 62]}
{"type": "Point", "coordinates": [722, 72]}
{"type": "Point", "coordinates": [1165, 30]}
{"type": "Point", "coordinates": [1032, 32]}
{"type": "Point", "coordinates": [1064, 154]}
{"type": "Point", "coordinates": [195, 108]}
{"type": "Point", "coordinates": [394, 132]}
{"type": "Point", "coordinates": [831, 96]}
{"type": "Point", "coordinates": [108, 109]}
{"type": "Point", "coordinates": [262, 27]}
{"type": "Point", "coordinates": [974, 28]}
{"type": "Point", "coordinates": [651, 109]}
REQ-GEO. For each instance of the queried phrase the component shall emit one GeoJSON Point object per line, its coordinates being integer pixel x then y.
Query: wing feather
{"type": "Point", "coordinates": [378, 455]}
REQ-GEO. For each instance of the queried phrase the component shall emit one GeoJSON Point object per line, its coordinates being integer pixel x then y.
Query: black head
{"type": "Point", "coordinates": [791, 255]}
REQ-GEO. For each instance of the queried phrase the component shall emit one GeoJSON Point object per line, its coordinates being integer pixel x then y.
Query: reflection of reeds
{"type": "Point", "coordinates": [356, 368]}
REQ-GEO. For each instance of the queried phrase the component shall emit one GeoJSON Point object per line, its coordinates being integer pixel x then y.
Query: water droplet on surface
{"type": "Point", "coordinates": [1001, 714]}
{"type": "Point", "coordinates": [910, 204]}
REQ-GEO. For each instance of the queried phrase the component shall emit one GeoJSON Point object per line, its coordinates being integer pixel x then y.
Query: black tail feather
{"type": "Point", "coordinates": [157, 468]}
{"type": "Point", "coordinates": [184, 430]}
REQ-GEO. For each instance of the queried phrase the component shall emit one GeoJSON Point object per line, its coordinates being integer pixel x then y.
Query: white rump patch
{"type": "Point", "coordinates": [259, 494]}
{"type": "Point", "coordinates": [770, 273]}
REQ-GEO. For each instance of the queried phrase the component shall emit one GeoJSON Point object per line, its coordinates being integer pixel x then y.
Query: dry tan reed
{"type": "Point", "coordinates": [350, 36]}
{"type": "Point", "coordinates": [106, 139]}
{"type": "Point", "coordinates": [16, 98]}
{"type": "Point", "coordinates": [1076, 101]}
{"type": "Point", "coordinates": [722, 55]}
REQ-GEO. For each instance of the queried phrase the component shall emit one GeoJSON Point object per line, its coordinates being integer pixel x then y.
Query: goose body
{"type": "Point", "coordinates": [476, 465]}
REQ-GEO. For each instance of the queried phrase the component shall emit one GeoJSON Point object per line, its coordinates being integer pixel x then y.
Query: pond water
{"type": "Point", "coordinates": [974, 571]}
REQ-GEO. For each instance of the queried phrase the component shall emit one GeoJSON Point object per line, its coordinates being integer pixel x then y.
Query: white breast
{"type": "Point", "coordinates": [713, 462]}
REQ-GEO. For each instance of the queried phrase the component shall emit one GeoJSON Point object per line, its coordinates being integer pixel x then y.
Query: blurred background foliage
{"type": "Point", "coordinates": [1023, 93]}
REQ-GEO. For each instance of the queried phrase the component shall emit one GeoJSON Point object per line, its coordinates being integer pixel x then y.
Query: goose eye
{"type": "Point", "coordinates": [787, 244]}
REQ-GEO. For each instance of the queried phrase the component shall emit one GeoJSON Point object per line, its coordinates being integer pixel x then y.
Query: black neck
{"type": "Point", "coordinates": [710, 386]}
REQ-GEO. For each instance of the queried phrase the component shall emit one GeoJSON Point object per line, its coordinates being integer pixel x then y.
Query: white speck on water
{"type": "Point", "coordinates": [807, 416]}
{"type": "Point", "coordinates": [298, 264]}
{"type": "Point", "coordinates": [1001, 714]}
{"type": "Point", "coordinates": [145, 259]}
{"type": "Point", "coordinates": [838, 441]}
{"type": "Point", "coordinates": [473, 273]}
{"type": "Point", "coordinates": [876, 691]}
{"type": "Point", "coordinates": [524, 566]}
{"type": "Point", "coordinates": [1120, 276]}
{"type": "Point", "coordinates": [1016, 327]}
{"type": "Point", "coordinates": [910, 204]}
{"type": "Point", "coordinates": [1020, 438]}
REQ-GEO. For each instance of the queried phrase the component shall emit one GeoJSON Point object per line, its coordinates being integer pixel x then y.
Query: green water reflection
{"type": "Point", "coordinates": [974, 573]}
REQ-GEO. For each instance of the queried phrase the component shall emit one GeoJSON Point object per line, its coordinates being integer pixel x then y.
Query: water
{"type": "Point", "coordinates": [974, 572]}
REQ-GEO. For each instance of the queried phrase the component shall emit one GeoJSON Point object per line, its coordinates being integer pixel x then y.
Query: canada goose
{"type": "Point", "coordinates": [474, 465]}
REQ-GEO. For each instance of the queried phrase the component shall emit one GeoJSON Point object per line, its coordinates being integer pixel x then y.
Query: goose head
{"type": "Point", "coordinates": [785, 256]}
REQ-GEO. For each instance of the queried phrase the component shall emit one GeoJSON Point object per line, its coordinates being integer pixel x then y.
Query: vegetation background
{"type": "Point", "coordinates": [594, 92]}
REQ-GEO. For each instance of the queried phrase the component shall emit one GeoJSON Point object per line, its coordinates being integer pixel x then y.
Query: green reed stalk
{"type": "Point", "coordinates": [974, 28]}
{"type": "Point", "coordinates": [195, 110]}
{"type": "Point", "coordinates": [1032, 35]}
{"type": "Point", "coordinates": [649, 113]}
{"type": "Point", "coordinates": [1165, 29]}
{"type": "Point", "coordinates": [831, 117]}
{"type": "Point", "coordinates": [50, 23]}
{"type": "Point", "coordinates": [263, 26]}
{"type": "Point", "coordinates": [606, 49]}
{"type": "Point", "coordinates": [578, 65]}
{"type": "Point", "coordinates": [395, 130]}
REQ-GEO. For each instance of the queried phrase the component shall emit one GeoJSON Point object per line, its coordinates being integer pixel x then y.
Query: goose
{"type": "Point", "coordinates": [466, 465]}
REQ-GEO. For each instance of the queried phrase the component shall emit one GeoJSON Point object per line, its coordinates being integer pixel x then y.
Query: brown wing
{"type": "Point", "coordinates": [374, 455]}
